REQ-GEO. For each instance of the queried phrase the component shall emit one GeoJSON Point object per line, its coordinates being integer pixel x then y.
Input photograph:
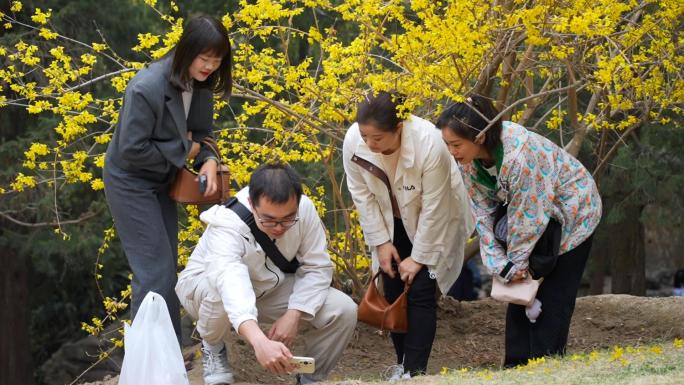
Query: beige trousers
{"type": "Point", "coordinates": [330, 332]}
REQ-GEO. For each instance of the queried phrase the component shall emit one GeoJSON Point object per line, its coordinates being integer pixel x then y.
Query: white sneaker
{"type": "Point", "coordinates": [215, 364]}
{"type": "Point", "coordinates": [393, 373]}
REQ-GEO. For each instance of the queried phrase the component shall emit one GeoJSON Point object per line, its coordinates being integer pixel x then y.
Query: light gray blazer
{"type": "Point", "coordinates": [151, 135]}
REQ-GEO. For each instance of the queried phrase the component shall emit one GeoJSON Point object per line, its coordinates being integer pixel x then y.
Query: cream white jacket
{"type": "Point", "coordinates": [228, 256]}
{"type": "Point", "coordinates": [433, 202]}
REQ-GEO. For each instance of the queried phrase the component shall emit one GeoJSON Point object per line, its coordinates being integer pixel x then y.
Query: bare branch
{"type": "Point", "coordinates": [507, 76]}
{"type": "Point", "coordinates": [546, 114]}
{"type": "Point", "coordinates": [575, 144]}
{"type": "Point", "coordinates": [100, 359]}
{"type": "Point", "coordinates": [310, 120]}
{"type": "Point", "coordinates": [578, 85]}
{"type": "Point", "coordinates": [579, 133]}
{"type": "Point", "coordinates": [14, 21]}
{"type": "Point", "coordinates": [616, 146]}
{"type": "Point", "coordinates": [97, 79]}
{"type": "Point", "coordinates": [82, 218]}
{"type": "Point", "coordinates": [529, 111]}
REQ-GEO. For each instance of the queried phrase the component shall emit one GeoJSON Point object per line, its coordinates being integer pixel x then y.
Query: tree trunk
{"type": "Point", "coordinates": [629, 257]}
{"type": "Point", "coordinates": [14, 348]}
{"type": "Point", "coordinates": [597, 268]}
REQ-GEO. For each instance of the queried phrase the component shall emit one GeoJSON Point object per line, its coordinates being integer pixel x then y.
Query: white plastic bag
{"type": "Point", "coordinates": [152, 354]}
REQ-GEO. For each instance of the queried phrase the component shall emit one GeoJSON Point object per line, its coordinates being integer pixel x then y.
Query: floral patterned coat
{"type": "Point", "coordinates": [538, 180]}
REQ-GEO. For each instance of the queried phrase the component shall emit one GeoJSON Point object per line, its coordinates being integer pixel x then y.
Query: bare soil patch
{"type": "Point", "coordinates": [470, 334]}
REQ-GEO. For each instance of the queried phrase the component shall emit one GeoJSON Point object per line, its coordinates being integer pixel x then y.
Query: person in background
{"type": "Point", "coordinates": [469, 283]}
{"type": "Point", "coordinates": [678, 289]}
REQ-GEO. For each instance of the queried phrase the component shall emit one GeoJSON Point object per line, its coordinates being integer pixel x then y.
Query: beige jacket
{"type": "Point", "coordinates": [232, 261]}
{"type": "Point", "coordinates": [432, 199]}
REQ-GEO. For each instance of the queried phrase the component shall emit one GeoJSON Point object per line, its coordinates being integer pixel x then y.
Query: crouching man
{"type": "Point", "coordinates": [276, 270]}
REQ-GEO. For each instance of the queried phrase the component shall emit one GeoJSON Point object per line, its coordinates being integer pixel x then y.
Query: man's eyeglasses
{"type": "Point", "coordinates": [270, 223]}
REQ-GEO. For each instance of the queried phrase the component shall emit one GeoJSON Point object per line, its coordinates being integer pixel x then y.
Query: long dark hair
{"type": "Point", "coordinates": [464, 120]}
{"type": "Point", "coordinates": [380, 111]}
{"type": "Point", "coordinates": [203, 34]}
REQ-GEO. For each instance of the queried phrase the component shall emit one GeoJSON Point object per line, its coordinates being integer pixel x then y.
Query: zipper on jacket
{"type": "Point", "coordinates": [274, 273]}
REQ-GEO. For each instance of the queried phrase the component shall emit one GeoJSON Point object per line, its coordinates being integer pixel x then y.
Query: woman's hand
{"type": "Point", "coordinates": [194, 150]}
{"type": "Point", "coordinates": [194, 147]}
{"type": "Point", "coordinates": [408, 268]}
{"type": "Point", "coordinates": [386, 253]}
{"type": "Point", "coordinates": [209, 169]}
{"type": "Point", "coordinates": [519, 275]}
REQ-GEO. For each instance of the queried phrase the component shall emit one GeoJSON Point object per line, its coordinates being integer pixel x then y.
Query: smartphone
{"type": "Point", "coordinates": [303, 364]}
{"type": "Point", "coordinates": [202, 183]}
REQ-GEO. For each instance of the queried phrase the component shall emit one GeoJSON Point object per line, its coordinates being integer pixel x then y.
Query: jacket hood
{"type": "Point", "coordinates": [220, 215]}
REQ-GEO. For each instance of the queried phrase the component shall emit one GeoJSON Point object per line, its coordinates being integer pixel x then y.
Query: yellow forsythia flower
{"type": "Point", "coordinates": [22, 181]}
{"type": "Point", "coordinates": [88, 59]}
{"type": "Point", "coordinates": [97, 184]}
{"type": "Point", "coordinates": [41, 17]}
{"type": "Point", "coordinates": [47, 34]}
{"type": "Point", "coordinates": [617, 353]}
{"type": "Point", "coordinates": [146, 40]}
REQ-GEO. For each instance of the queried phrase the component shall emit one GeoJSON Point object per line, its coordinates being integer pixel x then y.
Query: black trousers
{"type": "Point", "coordinates": [557, 293]}
{"type": "Point", "coordinates": [413, 348]}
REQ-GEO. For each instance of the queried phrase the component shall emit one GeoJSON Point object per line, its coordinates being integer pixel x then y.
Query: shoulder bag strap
{"type": "Point", "coordinates": [377, 171]}
{"type": "Point", "coordinates": [264, 241]}
{"type": "Point", "coordinates": [213, 146]}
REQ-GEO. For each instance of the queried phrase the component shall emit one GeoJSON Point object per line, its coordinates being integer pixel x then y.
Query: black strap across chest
{"type": "Point", "coordinates": [264, 241]}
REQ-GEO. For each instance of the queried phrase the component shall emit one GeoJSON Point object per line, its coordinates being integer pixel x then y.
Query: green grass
{"type": "Point", "coordinates": [655, 364]}
{"type": "Point", "coordinates": [642, 365]}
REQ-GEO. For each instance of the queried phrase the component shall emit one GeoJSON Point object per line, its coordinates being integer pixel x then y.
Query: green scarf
{"type": "Point", "coordinates": [483, 177]}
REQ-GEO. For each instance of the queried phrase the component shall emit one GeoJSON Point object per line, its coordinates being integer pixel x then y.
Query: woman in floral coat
{"type": "Point", "coordinates": [546, 194]}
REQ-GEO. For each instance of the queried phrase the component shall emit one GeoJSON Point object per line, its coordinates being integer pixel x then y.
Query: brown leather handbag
{"type": "Point", "coordinates": [376, 311]}
{"type": "Point", "coordinates": [185, 188]}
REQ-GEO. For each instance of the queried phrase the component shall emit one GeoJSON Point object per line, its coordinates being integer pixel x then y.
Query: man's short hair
{"type": "Point", "coordinates": [276, 182]}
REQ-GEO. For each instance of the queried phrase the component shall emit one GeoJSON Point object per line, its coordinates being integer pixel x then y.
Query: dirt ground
{"type": "Point", "coordinates": [470, 334]}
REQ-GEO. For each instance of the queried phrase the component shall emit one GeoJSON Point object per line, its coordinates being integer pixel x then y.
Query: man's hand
{"type": "Point", "coordinates": [274, 356]}
{"type": "Point", "coordinates": [271, 355]}
{"type": "Point", "coordinates": [285, 327]}
{"type": "Point", "coordinates": [386, 253]}
{"type": "Point", "coordinates": [408, 268]}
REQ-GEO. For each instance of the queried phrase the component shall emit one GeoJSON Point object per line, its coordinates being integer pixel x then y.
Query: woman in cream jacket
{"type": "Point", "coordinates": [421, 239]}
